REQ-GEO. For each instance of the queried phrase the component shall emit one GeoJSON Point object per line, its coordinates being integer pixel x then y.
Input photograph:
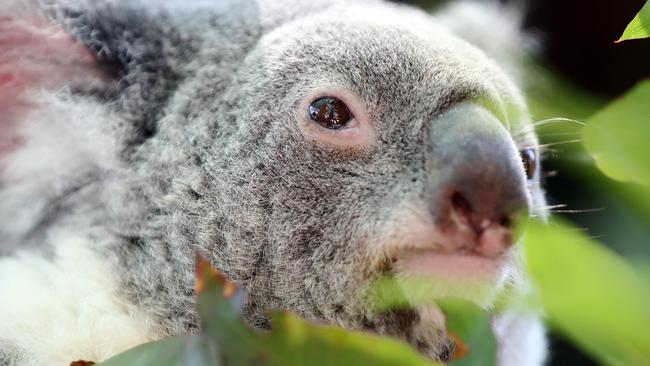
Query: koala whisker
{"type": "Point", "coordinates": [557, 143]}
{"type": "Point", "coordinates": [549, 207]}
{"type": "Point", "coordinates": [531, 127]}
{"type": "Point", "coordinates": [558, 134]}
{"type": "Point", "coordinates": [585, 210]}
{"type": "Point", "coordinates": [549, 174]}
{"type": "Point", "coordinates": [556, 120]}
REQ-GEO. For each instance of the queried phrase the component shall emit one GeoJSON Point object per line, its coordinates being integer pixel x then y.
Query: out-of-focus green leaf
{"type": "Point", "coordinates": [471, 324]}
{"type": "Point", "coordinates": [618, 136]}
{"type": "Point", "coordinates": [590, 294]}
{"type": "Point", "coordinates": [639, 27]}
{"type": "Point", "coordinates": [294, 341]}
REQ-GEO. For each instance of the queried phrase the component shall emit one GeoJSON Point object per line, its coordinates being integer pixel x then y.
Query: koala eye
{"type": "Point", "coordinates": [330, 112]}
{"type": "Point", "coordinates": [529, 158]}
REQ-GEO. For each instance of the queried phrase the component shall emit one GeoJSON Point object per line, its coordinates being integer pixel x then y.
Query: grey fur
{"type": "Point", "coordinates": [210, 158]}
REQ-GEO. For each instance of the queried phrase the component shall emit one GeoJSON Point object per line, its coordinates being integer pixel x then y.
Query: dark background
{"type": "Point", "coordinates": [587, 69]}
{"type": "Point", "coordinates": [578, 42]}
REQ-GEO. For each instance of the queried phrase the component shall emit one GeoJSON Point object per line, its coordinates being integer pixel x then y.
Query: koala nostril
{"type": "Point", "coordinates": [464, 208]}
{"type": "Point", "coordinates": [461, 204]}
{"type": "Point", "coordinates": [506, 222]}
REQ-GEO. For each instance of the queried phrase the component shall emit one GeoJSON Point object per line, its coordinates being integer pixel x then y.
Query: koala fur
{"type": "Point", "coordinates": [170, 128]}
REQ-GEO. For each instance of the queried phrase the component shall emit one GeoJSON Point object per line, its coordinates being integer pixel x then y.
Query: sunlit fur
{"type": "Point", "coordinates": [184, 139]}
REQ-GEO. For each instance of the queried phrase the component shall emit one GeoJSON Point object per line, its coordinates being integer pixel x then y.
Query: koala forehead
{"type": "Point", "coordinates": [397, 61]}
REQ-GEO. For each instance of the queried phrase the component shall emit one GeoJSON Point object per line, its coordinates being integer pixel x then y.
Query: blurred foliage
{"type": "Point", "coordinates": [595, 298]}
{"type": "Point", "coordinates": [469, 326]}
{"type": "Point", "coordinates": [589, 293]}
{"type": "Point", "coordinates": [639, 27]}
{"type": "Point", "coordinates": [617, 137]}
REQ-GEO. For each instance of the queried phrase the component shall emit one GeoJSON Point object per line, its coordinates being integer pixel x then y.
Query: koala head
{"type": "Point", "coordinates": [355, 144]}
{"type": "Point", "coordinates": [307, 150]}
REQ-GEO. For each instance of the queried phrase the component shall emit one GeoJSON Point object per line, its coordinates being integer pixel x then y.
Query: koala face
{"type": "Point", "coordinates": [351, 148]}
{"type": "Point", "coordinates": [307, 150]}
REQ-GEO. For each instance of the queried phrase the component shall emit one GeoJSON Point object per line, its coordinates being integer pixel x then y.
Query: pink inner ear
{"type": "Point", "coordinates": [38, 54]}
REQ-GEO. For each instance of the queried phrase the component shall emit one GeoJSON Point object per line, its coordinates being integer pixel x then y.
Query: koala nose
{"type": "Point", "coordinates": [479, 181]}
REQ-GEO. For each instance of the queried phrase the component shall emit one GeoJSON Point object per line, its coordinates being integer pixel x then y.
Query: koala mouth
{"type": "Point", "coordinates": [462, 265]}
{"type": "Point", "coordinates": [467, 275]}
{"type": "Point", "coordinates": [451, 261]}
{"type": "Point", "coordinates": [453, 250]}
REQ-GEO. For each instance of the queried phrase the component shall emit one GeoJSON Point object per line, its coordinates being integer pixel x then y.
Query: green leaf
{"type": "Point", "coordinates": [219, 305]}
{"type": "Point", "coordinates": [618, 136]}
{"type": "Point", "coordinates": [294, 341]}
{"type": "Point", "coordinates": [590, 294]}
{"type": "Point", "coordinates": [639, 27]}
{"type": "Point", "coordinates": [471, 324]}
{"type": "Point", "coordinates": [194, 350]}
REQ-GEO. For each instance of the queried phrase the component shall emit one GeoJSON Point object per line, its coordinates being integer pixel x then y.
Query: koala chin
{"type": "Point", "coordinates": [306, 149]}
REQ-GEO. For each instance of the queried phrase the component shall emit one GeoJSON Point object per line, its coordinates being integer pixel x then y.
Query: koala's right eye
{"type": "Point", "coordinates": [330, 112]}
{"type": "Point", "coordinates": [335, 117]}
{"type": "Point", "coordinates": [529, 158]}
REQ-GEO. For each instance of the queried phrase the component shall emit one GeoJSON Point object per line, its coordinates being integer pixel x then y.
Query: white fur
{"type": "Point", "coordinates": [66, 309]}
{"type": "Point", "coordinates": [60, 303]}
{"type": "Point", "coordinates": [58, 147]}
{"type": "Point", "coordinates": [521, 338]}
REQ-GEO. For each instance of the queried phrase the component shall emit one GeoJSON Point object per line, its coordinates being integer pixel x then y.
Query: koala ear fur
{"type": "Point", "coordinates": [118, 51]}
{"type": "Point", "coordinates": [36, 54]}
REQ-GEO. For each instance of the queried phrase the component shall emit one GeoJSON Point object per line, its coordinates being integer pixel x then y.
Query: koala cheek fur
{"type": "Point", "coordinates": [152, 132]}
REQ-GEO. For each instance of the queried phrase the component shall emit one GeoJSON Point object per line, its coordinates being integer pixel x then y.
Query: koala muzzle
{"type": "Point", "coordinates": [478, 181]}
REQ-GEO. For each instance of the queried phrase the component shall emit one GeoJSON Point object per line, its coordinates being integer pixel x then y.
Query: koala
{"type": "Point", "coordinates": [305, 149]}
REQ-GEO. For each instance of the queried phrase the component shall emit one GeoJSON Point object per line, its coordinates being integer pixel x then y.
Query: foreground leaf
{"type": "Point", "coordinates": [219, 304]}
{"type": "Point", "coordinates": [471, 325]}
{"type": "Point", "coordinates": [590, 294]}
{"type": "Point", "coordinates": [618, 136]}
{"type": "Point", "coordinates": [193, 350]}
{"type": "Point", "coordinates": [298, 342]}
{"type": "Point", "coordinates": [639, 27]}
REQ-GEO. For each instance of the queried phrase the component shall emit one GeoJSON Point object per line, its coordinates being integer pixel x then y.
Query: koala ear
{"type": "Point", "coordinates": [36, 54]}
{"type": "Point", "coordinates": [494, 27]}
{"type": "Point", "coordinates": [118, 51]}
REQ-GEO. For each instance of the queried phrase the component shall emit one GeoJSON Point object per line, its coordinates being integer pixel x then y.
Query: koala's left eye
{"type": "Point", "coordinates": [330, 112]}
{"type": "Point", "coordinates": [529, 158]}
